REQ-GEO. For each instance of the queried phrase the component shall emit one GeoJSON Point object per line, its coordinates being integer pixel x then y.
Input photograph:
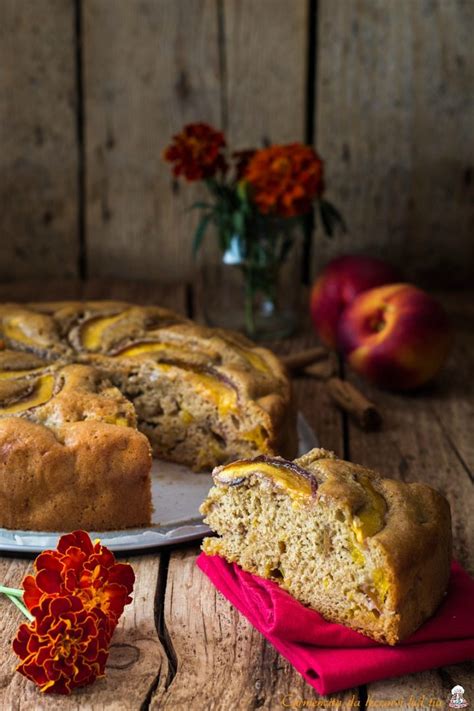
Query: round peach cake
{"type": "Point", "coordinates": [87, 387]}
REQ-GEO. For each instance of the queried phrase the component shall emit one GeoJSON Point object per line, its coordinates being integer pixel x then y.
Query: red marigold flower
{"type": "Point", "coordinates": [196, 152]}
{"type": "Point", "coordinates": [85, 569]}
{"type": "Point", "coordinates": [285, 180]}
{"type": "Point", "coordinates": [65, 647]}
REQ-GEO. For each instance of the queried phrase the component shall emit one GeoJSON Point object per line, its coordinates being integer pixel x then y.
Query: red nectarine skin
{"type": "Point", "coordinates": [339, 284]}
{"type": "Point", "coordinates": [397, 336]}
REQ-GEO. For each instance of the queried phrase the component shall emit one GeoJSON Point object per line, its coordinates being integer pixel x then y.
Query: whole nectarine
{"type": "Point", "coordinates": [397, 336]}
{"type": "Point", "coordinates": [338, 285]}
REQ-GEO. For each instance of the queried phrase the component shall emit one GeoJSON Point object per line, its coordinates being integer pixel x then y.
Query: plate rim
{"type": "Point", "coordinates": [155, 537]}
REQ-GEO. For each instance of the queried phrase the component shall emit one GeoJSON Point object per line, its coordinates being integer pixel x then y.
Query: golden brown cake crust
{"type": "Point", "coordinates": [405, 527]}
{"type": "Point", "coordinates": [89, 475]}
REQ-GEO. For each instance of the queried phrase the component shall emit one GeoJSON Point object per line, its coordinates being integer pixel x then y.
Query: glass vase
{"type": "Point", "coordinates": [254, 284]}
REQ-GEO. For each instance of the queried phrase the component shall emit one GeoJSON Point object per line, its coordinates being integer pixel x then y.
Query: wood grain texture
{"type": "Point", "coordinates": [452, 400]}
{"type": "Point", "coordinates": [265, 46]}
{"type": "Point", "coordinates": [149, 68]}
{"type": "Point", "coordinates": [40, 290]}
{"type": "Point", "coordinates": [394, 116]}
{"type": "Point", "coordinates": [427, 437]}
{"type": "Point", "coordinates": [427, 690]}
{"type": "Point", "coordinates": [312, 398]}
{"type": "Point", "coordinates": [135, 664]}
{"type": "Point", "coordinates": [38, 151]}
{"type": "Point", "coordinates": [222, 662]}
{"type": "Point", "coordinates": [172, 296]}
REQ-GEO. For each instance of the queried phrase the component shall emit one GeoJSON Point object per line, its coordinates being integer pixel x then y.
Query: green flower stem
{"type": "Point", "coordinates": [16, 601]}
{"type": "Point", "coordinates": [16, 597]}
{"type": "Point", "coordinates": [11, 591]}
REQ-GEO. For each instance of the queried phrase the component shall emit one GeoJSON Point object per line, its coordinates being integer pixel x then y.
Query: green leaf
{"type": "Point", "coordinates": [201, 231]}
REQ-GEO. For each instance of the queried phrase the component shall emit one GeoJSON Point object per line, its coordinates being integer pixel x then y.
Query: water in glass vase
{"type": "Point", "coordinates": [253, 286]}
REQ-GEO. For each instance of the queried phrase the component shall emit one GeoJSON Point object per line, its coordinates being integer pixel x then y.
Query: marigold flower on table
{"type": "Point", "coordinates": [85, 569]}
{"type": "Point", "coordinates": [65, 647]}
{"type": "Point", "coordinates": [196, 152]}
{"type": "Point", "coordinates": [285, 180]}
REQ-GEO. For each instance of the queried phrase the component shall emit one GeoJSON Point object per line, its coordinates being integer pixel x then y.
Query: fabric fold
{"type": "Point", "coordinates": [332, 657]}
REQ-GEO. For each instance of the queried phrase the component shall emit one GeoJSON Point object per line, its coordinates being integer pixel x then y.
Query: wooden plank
{"type": "Point", "coordinates": [223, 662]}
{"type": "Point", "coordinates": [312, 398]}
{"type": "Point", "coordinates": [265, 46]}
{"type": "Point", "coordinates": [40, 290]}
{"type": "Point", "coordinates": [452, 399]}
{"type": "Point", "coordinates": [138, 292]}
{"type": "Point", "coordinates": [149, 68]}
{"type": "Point", "coordinates": [137, 659]}
{"type": "Point", "coordinates": [38, 149]}
{"type": "Point", "coordinates": [427, 690]}
{"type": "Point", "coordinates": [395, 107]}
{"type": "Point", "coordinates": [424, 439]}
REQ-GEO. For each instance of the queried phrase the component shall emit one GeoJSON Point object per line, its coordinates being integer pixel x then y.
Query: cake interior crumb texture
{"type": "Point", "coordinates": [370, 553]}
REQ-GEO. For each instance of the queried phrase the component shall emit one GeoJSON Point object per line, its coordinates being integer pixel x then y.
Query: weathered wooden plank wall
{"type": "Point", "coordinates": [265, 55]}
{"type": "Point", "coordinates": [156, 68]}
{"type": "Point", "coordinates": [395, 118]}
{"type": "Point", "coordinates": [90, 93]}
{"type": "Point", "coordinates": [38, 139]}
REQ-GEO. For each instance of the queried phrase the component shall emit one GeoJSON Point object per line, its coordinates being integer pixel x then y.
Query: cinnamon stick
{"type": "Point", "coordinates": [352, 401]}
{"type": "Point", "coordinates": [324, 369]}
{"type": "Point", "coordinates": [298, 361]}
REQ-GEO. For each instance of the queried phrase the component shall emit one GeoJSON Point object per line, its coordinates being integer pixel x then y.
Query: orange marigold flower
{"type": "Point", "coordinates": [285, 180]}
{"type": "Point", "coordinates": [65, 647]}
{"type": "Point", "coordinates": [85, 569]}
{"type": "Point", "coordinates": [196, 152]}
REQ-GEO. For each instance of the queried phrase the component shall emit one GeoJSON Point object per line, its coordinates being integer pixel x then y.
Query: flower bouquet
{"type": "Point", "coordinates": [258, 199]}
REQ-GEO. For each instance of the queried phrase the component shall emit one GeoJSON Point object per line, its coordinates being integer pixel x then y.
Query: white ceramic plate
{"type": "Point", "coordinates": [177, 495]}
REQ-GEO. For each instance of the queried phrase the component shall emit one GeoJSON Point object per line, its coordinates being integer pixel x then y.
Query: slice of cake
{"type": "Point", "coordinates": [370, 553]}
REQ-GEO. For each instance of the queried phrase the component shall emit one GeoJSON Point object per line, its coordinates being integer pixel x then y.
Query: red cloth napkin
{"type": "Point", "coordinates": [332, 657]}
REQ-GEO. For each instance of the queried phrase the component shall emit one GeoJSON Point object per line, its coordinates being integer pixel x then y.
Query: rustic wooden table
{"type": "Point", "coordinates": [180, 645]}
